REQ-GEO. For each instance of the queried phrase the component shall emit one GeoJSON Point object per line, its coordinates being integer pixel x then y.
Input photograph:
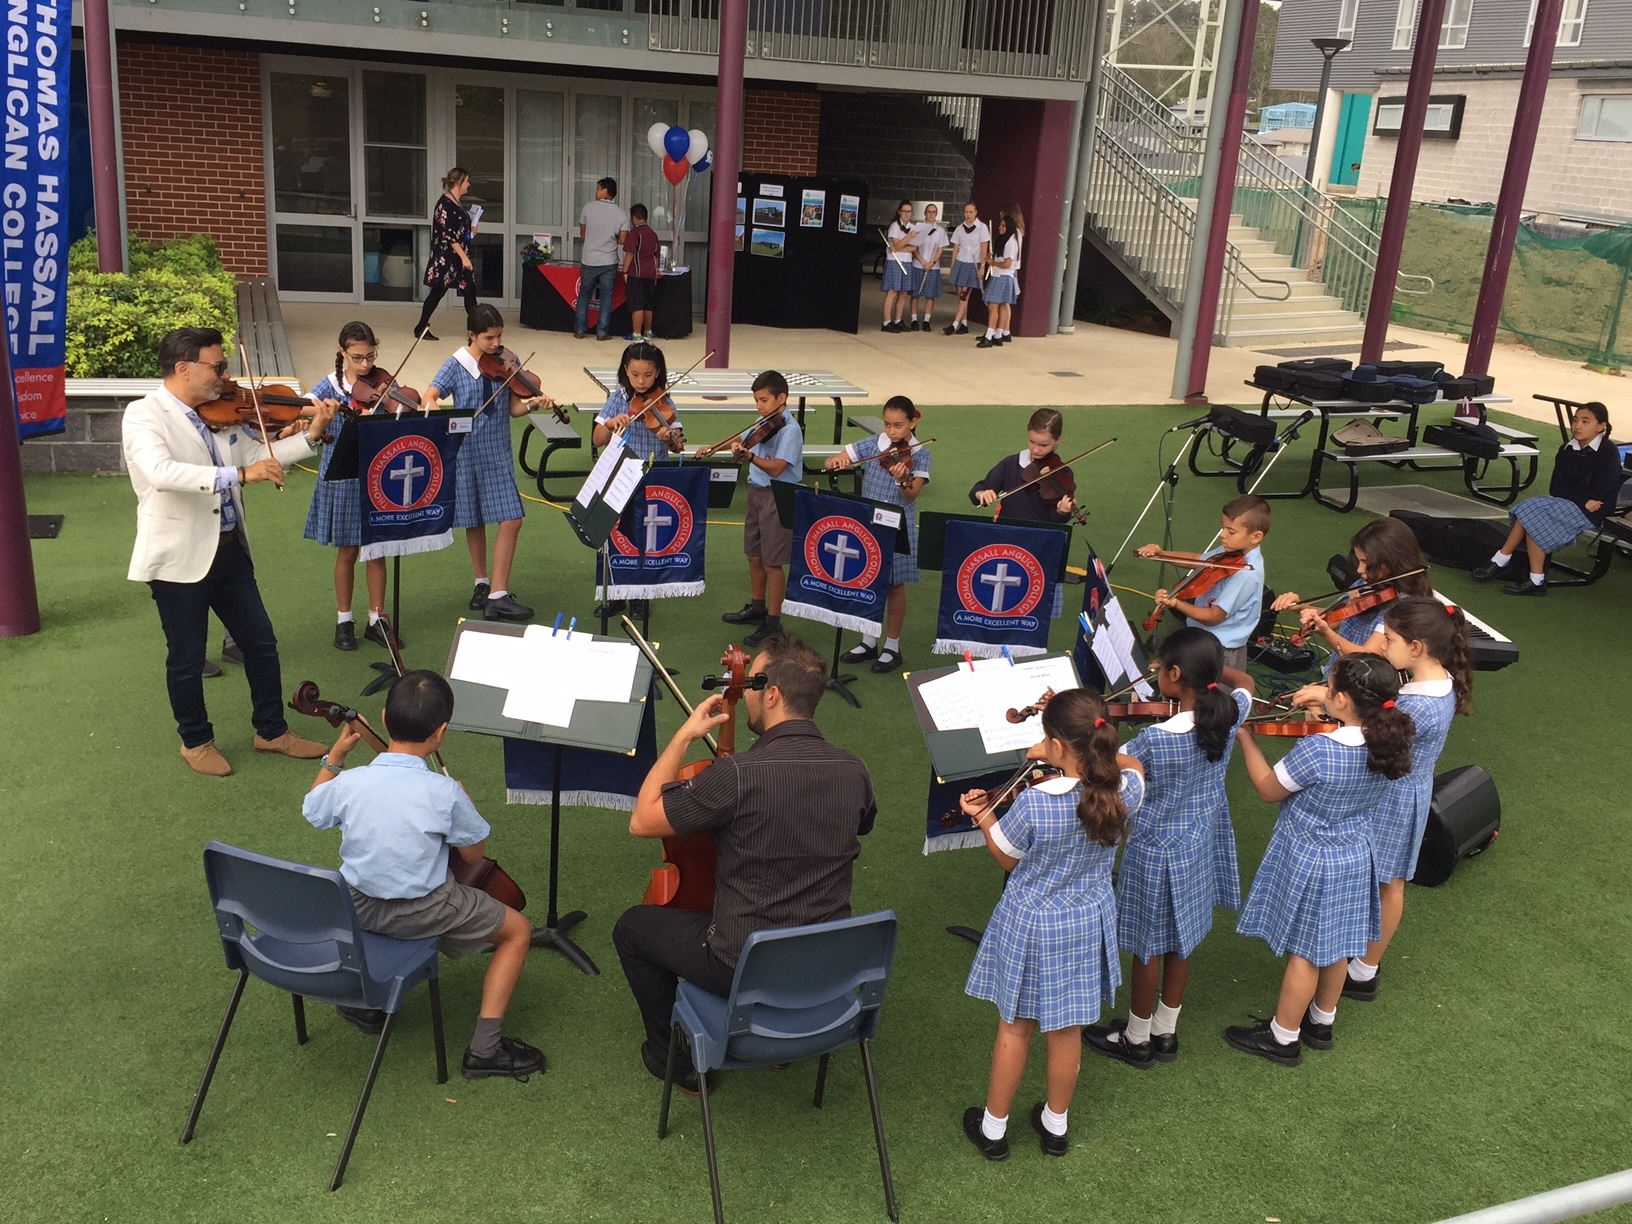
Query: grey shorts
{"type": "Point", "coordinates": [465, 918]}
{"type": "Point", "coordinates": [763, 534]}
{"type": "Point", "coordinates": [1236, 657]}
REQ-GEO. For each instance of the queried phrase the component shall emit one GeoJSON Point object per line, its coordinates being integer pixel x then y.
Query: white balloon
{"type": "Point", "coordinates": [699, 146]}
{"type": "Point", "coordinates": [654, 138]}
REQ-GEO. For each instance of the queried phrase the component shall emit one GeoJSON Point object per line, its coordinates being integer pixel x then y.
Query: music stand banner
{"type": "Point", "coordinates": [406, 476]}
{"type": "Point", "coordinates": [997, 588]}
{"type": "Point", "coordinates": [843, 555]}
{"type": "Point", "coordinates": [657, 549]}
{"type": "Point", "coordinates": [589, 777]}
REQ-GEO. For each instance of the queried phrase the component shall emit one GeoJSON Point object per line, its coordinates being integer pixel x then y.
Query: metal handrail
{"type": "Point", "coordinates": [1405, 276]}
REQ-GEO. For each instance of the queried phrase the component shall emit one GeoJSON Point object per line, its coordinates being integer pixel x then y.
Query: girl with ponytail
{"type": "Point", "coordinates": [1430, 641]}
{"type": "Point", "coordinates": [1180, 861]}
{"type": "Point", "coordinates": [1314, 897]}
{"type": "Point", "coordinates": [1048, 959]}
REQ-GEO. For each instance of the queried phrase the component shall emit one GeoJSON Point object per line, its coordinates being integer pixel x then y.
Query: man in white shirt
{"type": "Point", "coordinates": [601, 227]}
{"type": "Point", "coordinates": [191, 549]}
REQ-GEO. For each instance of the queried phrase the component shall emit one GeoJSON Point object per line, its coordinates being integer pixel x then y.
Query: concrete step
{"type": "Point", "coordinates": [1257, 338]}
{"type": "Point", "coordinates": [1249, 307]}
{"type": "Point", "coordinates": [1294, 321]}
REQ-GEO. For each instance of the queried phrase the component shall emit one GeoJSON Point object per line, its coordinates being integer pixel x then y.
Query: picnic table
{"type": "Point", "coordinates": [727, 390]}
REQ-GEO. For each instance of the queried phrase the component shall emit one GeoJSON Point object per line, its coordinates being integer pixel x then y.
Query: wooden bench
{"type": "Point", "coordinates": [1472, 469]}
{"type": "Point", "coordinates": [872, 426]}
{"type": "Point", "coordinates": [260, 327]}
{"type": "Point", "coordinates": [554, 436]}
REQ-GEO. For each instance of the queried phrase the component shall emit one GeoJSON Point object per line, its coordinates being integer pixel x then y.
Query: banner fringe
{"type": "Point", "coordinates": [838, 620]}
{"type": "Point", "coordinates": [650, 591]}
{"type": "Point", "coordinates": [404, 548]}
{"type": "Point", "coordinates": [574, 798]}
{"type": "Point", "coordinates": [983, 650]}
{"type": "Point", "coordinates": [967, 840]}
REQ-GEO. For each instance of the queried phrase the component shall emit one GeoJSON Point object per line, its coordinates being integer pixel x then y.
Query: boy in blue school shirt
{"type": "Point", "coordinates": [398, 822]}
{"type": "Point", "coordinates": [1230, 610]}
{"type": "Point", "coordinates": [767, 542]}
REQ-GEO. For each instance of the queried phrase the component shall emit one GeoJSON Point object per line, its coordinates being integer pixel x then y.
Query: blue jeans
{"type": "Point", "coordinates": [591, 276]}
{"type": "Point", "coordinates": [184, 612]}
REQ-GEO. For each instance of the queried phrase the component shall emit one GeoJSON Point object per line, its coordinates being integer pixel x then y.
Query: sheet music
{"type": "Point", "coordinates": [486, 658]}
{"type": "Point", "coordinates": [952, 699]}
{"type": "Point", "coordinates": [1114, 645]}
{"type": "Point", "coordinates": [601, 473]}
{"type": "Point", "coordinates": [545, 680]}
{"type": "Point", "coordinates": [623, 484]}
{"type": "Point", "coordinates": [613, 664]}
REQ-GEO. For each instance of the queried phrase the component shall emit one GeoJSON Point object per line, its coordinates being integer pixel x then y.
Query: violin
{"type": "Point", "coordinates": [898, 453]}
{"type": "Point", "coordinates": [1028, 775]}
{"type": "Point", "coordinates": [1204, 575]}
{"type": "Point", "coordinates": [235, 405]}
{"type": "Point", "coordinates": [506, 369]}
{"type": "Point", "coordinates": [485, 874]}
{"type": "Point", "coordinates": [656, 410]}
{"type": "Point", "coordinates": [1124, 711]}
{"type": "Point", "coordinates": [1290, 727]}
{"type": "Point", "coordinates": [1350, 603]}
{"type": "Point", "coordinates": [1032, 710]}
{"type": "Point", "coordinates": [761, 431]}
{"type": "Point", "coordinates": [377, 389]}
{"type": "Point", "coordinates": [1057, 482]}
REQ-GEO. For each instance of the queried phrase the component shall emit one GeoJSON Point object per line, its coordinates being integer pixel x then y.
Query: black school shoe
{"type": "Point", "coordinates": [368, 1019]}
{"type": "Point", "coordinates": [1257, 1039]}
{"type": "Point", "coordinates": [230, 653]}
{"type": "Point", "coordinates": [345, 636]}
{"type": "Point", "coordinates": [376, 633]}
{"type": "Point", "coordinates": [748, 614]}
{"type": "Point", "coordinates": [988, 342]}
{"type": "Point", "coordinates": [514, 1058]}
{"type": "Point", "coordinates": [951, 329]}
{"type": "Point", "coordinates": [506, 608]}
{"type": "Point", "coordinates": [992, 1149]}
{"type": "Point", "coordinates": [1052, 1144]}
{"type": "Point", "coordinates": [771, 626]}
{"type": "Point", "coordinates": [1361, 992]}
{"type": "Point", "coordinates": [212, 670]}
{"type": "Point", "coordinates": [888, 661]}
{"type": "Point", "coordinates": [1315, 1036]}
{"type": "Point", "coordinates": [1487, 571]}
{"type": "Point", "coordinates": [859, 653]}
{"type": "Point", "coordinates": [478, 597]}
{"type": "Point", "coordinates": [685, 1076]}
{"type": "Point", "coordinates": [1112, 1041]}
{"type": "Point", "coordinates": [1525, 587]}
{"type": "Point", "coordinates": [1166, 1046]}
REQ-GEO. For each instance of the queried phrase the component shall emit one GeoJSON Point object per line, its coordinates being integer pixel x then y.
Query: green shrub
{"type": "Point", "coordinates": [115, 320]}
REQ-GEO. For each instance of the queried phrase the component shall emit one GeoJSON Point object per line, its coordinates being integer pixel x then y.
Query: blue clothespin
{"type": "Point", "coordinates": [1008, 656]}
{"type": "Point", "coordinates": [571, 625]}
{"type": "Point", "coordinates": [557, 628]}
{"type": "Point", "coordinates": [1087, 625]}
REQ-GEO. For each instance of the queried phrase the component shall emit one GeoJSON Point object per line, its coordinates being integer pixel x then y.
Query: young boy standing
{"type": "Point", "coordinates": [640, 250]}
{"type": "Point", "coordinates": [1231, 608]}
{"type": "Point", "coordinates": [767, 542]}
{"type": "Point", "coordinates": [398, 822]}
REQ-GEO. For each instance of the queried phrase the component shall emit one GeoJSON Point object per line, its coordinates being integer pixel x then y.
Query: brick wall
{"type": "Point", "coordinates": [781, 131]}
{"type": "Point", "coordinates": [191, 122]}
{"type": "Point", "coordinates": [897, 145]}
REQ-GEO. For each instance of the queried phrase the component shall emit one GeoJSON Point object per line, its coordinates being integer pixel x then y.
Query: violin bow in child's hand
{"type": "Point", "coordinates": [1050, 474]}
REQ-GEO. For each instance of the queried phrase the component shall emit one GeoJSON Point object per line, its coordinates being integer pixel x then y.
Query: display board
{"type": "Point", "coordinates": [799, 245]}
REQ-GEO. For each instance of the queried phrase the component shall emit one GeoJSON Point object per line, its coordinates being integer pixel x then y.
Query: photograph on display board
{"type": "Point", "coordinates": [849, 213]}
{"type": "Point", "coordinates": [739, 237]}
{"type": "Point", "coordinates": [771, 212]}
{"type": "Point", "coordinates": [742, 211]}
{"type": "Point", "coordinates": [812, 208]}
{"type": "Point", "coordinates": [768, 243]}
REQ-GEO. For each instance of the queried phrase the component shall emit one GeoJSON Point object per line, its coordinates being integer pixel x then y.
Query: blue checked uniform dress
{"type": "Point", "coordinates": [1552, 522]}
{"type": "Point", "coordinates": [640, 440]}
{"type": "Point", "coordinates": [898, 276]}
{"type": "Point", "coordinates": [1180, 859]}
{"type": "Point", "coordinates": [335, 516]}
{"type": "Point", "coordinates": [486, 492]}
{"type": "Point", "coordinates": [1049, 952]}
{"type": "Point", "coordinates": [1315, 893]}
{"type": "Point", "coordinates": [1397, 825]}
{"type": "Point", "coordinates": [879, 485]}
{"type": "Point", "coordinates": [1358, 629]}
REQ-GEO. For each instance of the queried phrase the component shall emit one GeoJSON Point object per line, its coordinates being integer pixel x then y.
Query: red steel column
{"type": "Point", "coordinates": [722, 224]}
{"type": "Point", "coordinates": [1504, 225]}
{"type": "Point", "coordinates": [110, 238]}
{"type": "Point", "coordinates": [1405, 174]}
{"type": "Point", "coordinates": [19, 602]}
{"type": "Point", "coordinates": [1234, 120]}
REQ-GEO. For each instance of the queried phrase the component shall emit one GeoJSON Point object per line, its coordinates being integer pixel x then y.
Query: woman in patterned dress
{"type": "Point", "coordinates": [1180, 861]}
{"type": "Point", "coordinates": [899, 484]}
{"type": "Point", "coordinates": [1314, 897]}
{"type": "Point", "coordinates": [1048, 959]}
{"type": "Point", "coordinates": [452, 233]}
{"type": "Point", "coordinates": [1429, 640]}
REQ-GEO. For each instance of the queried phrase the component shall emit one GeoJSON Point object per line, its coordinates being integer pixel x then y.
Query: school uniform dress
{"type": "Point", "coordinates": [1580, 474]}
{"type": "Point", "coordinates": [1180, 859]}
{"type": "Point", "coordinates": [1003, 287]}
{"type": "Point", "coordinates": [1049, 952]}
{"type": "Point", "coordinates": [640, 440]}
{"type": "Point", "coordinates": [1358, 629]}
{"type": "Point", "coordinates": [1315, 893]}
{"type": "Point", "coordinates": [931, 241]}
{"type": "Point", "coordinates": [897, 264]}
{"type": "Point", "coordinates": [1029, 506]}
{"type": "Point", "coordinates": [486, 491]}
{"type": "Point", "coordinates": [966, 243]}
{"type": "Point", "coordinates": [878, 484]}
{"type": "Point", "coordinates": [1398, 823]}
{"type": "Point", "coordinates": [335, 516]}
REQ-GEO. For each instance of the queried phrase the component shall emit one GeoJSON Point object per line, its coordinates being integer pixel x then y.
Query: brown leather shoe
{"type": "Point", "coordinates": [207, 760]}
{"type": "Point", "coordinates": [291, 745]}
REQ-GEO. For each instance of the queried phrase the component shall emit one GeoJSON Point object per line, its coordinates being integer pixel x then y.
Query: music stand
{"type": "Point", "coordinates": [597, 725]}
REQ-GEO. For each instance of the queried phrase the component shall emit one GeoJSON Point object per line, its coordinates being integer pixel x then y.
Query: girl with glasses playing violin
{"type": "Point", "coordinates": [642, 376]}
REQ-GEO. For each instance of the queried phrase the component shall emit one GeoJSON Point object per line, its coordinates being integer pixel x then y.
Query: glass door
{"type": "Point", "coordinates": [396, 238]}
{"type": "Point", "coordinates": [313, 213]}
{"type": "Point", "coordinates": [479, 146]}
{"type": "Point", "coordinates": [540, 171]}
{"type": "Point", "coordinates": [597, 149]}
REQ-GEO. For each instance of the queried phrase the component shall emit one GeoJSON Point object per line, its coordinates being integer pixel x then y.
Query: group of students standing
{"type": "Point", "coordinates": [984, 258]}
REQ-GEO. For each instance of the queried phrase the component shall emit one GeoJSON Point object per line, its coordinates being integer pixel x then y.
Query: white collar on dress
{"type": "Point", "coordinates": [1593, 445]}
{"type": "Point", "coordinates": [1428, 688]}
{"type": "Point", "coordinates": [464, 358]}
{"type": "Point", "coordinates": [1059, 786]}
{"type": "Point", "coordinates": [1025, 460]}
{"type": "Point", "coordinates": [1354, 737]}
{"type": "Point", "coordinates": [1179, 724]}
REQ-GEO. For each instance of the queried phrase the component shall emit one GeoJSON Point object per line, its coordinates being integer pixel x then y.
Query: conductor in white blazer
{"type": "Point", "coordinates": [191, 549]}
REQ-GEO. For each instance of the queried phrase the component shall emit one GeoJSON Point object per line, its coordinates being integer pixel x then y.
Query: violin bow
{"type": "Point", "coordinates": [255, 398]}
{"type": "Point", "coordinates": [395, 649]}
{"type": "Point", "coordinates": [1035, 480]}
{"type": "Point", "coordinates": [669, 386]}
{"type": "Point", "coordinates": [505, 385]}
{"type": "Point", "coordinates": [401, 365]}
{"type": "Point", "coordinates": [1365, 588]}
{"type": "Point", "coordinates": [703, 452]}
{"type": "Point", "coordinates": [662, 673]}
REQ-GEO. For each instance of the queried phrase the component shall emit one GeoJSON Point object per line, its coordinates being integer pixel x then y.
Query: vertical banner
{"type": "Point", "coordinates": [34, 208]}
{"type": "Point", "coordinates": [843, 551]}
{"type": "Point", "coordinates": [657, 549]}
{"type": "Point", "coordinates": [1107, 653]}
{"type": "Point", "coordinates": [997, 588]}
{"type": "Point", "coordinates": [407, 474]}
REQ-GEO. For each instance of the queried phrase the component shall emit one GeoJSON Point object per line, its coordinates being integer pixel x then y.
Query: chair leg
{"type": "Point", "coordinates": [668, 1083]}
{"type": "Point", "coordinates": [362, 1101]}
{"type": "Point", "coordinates": [436, 1031]}
{"type": "Point", "coordinates": [300, 1019]}
{"type": "Point", "coordinates": [878, 1132]}
{"type": "Point", "coordinates": [215, 1056]}
{"type": "Point", "coordinates": [708, 1142]}
{"type": "Point", "coordinates": [821, 1081]}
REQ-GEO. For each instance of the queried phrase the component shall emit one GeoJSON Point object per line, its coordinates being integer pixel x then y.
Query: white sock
{"type": "Point", "coordinates": [1053, 1123]}
{"type": "Point", "coordinates": [1004, 333]}
{"type": "Point", "coordinates": [1501, 559]}
{"type": "Point", "coordinates": [994, 1128]}
{"type": "Point", "coordinates": [373, 617]}
{"type": "Point", "coordinates": [915, 316]}
{"type": "Point", "coordinates": [1538, 579]}
{"type": "Point", "coordinates": [991, 333]}
{"type": "Point", "coordinates": [346, 618]}
{"type": "Point", "coordinates": [1138, 1030]}
{"type": "Point", "coordinates": [869, 640]}
{"type": "Point", "coordinates": [497, 594]}
{"type": "Point", "coordinates": [1321, 1017]}
{"type": "Point", "coordinates": [893, 644]}
{"type": "Point", "coordinates": [1360, 971]}
{"type": "Point", "coordinates": [1166, 1020]}
{"type": "Point", "coordinates": [1284, 1036]}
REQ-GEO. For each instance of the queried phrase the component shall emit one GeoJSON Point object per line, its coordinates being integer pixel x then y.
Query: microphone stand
{"type": "Point", "coordinates": [1169, 480]}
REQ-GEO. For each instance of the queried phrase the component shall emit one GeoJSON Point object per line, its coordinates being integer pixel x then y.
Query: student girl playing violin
{"type": "Point", "coordinates": [642, 376]}
{"type": "Point", "coordinates": [1042, 503]}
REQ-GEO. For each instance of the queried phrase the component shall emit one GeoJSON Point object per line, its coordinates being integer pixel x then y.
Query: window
{"type": "Point", "coordinates": [479, 146]}
{"type": "Point", "coordinates": [1453, 34]}
{"type": "Point", "coordinates": [1405, 23]}
{"type": "Point", "coordinates": [1443, 120]}
{"type": "Point", "coordinates": [394, 144]}
{"type": "Point", "coordinates": [311, 143]}
{"type": "Point", "coordinates": [1606, 117]}
{"type": "Point", "coordinates": [1569, 25]}
{"type": "Point", "coordinates": [1346, 17]}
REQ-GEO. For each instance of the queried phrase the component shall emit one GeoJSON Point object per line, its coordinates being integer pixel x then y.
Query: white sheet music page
{"type": "Point", "coordinates": [601, 474]}
{"type": "Point", "coordinates": [486, 658]}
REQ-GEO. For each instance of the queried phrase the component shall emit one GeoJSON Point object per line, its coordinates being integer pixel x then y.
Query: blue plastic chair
{"type": "Point", "coordinates": [294, 926]}
{"type": "Point", "coordinates": [799, 993]}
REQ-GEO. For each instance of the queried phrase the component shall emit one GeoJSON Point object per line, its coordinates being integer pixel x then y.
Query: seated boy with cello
{"type": "Point", "coordinates": [398, 822]}
{"type": "Point", "coordinates": [1229, 607]}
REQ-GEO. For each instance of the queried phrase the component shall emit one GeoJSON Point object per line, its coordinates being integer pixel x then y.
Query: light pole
{"type": "Point", "coordinates": [1328, 48]}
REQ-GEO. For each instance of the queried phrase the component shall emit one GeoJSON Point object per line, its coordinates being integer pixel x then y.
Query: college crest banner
{"type": "Point", "coordinates": [406, 475]}
{"type": "Point", "coordinates": [34, 188]}
{"type": "Point", "coordinates": [843, 550]}
{"type": "Point", "coordinates": [657, 549]}
{"type": "Point", "coordinates": [997, 588]}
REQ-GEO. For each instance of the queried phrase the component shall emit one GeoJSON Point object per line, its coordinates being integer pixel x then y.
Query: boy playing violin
{"type": "Point", "coordinates": [768, 543]}
{"type": "Point", "coordinates": [1229, 609]}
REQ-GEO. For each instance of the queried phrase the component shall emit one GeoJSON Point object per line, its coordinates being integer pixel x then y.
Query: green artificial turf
{"type": "Point", "coordinates": [1493, 1065]}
